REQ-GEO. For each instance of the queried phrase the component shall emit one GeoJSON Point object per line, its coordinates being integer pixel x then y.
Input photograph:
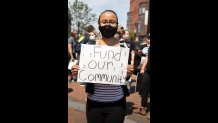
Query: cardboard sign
{"type": "Point", "coordinates": [72, 63]}
{"type": "Point", "coordinates": [103, 64]}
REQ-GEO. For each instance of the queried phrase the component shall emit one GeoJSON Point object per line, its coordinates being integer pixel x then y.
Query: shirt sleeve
{"type": "Point", "coordinates": [70, 40]}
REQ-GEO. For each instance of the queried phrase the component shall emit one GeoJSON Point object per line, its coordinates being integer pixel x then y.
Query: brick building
{"type": "Point", "coordinates": [137, 18]}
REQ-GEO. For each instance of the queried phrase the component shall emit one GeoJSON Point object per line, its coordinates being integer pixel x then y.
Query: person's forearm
{"type": "Point", "coordinates": [71, 54]}
{"type": "Point", "coordinates": [144, 63]}
{"type": "Point", "coordinates": [133, 57]}
{"type": "Point", "coordinates": [70, 50]}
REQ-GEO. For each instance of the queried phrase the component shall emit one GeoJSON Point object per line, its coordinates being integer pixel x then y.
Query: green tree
{"type": "Point", "coordinates": [69, 23]}
{"type": "Point", "coordinates": [81, 13]}
{"type": "Point", "coordinates": [132, 36]}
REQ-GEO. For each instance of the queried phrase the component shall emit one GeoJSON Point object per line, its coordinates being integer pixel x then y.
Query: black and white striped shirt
{"type": "Point", "coordinates": [106, 93]}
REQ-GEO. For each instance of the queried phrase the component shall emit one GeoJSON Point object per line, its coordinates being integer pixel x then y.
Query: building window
{"type": "Point", "coordinates": [146, 17]}
{"type": "Point", "coordinates": [143, 10]}
{"type": "Point", "coordinates": [142, 29]}
{"type": "Point", "coordinates": [139, 28]}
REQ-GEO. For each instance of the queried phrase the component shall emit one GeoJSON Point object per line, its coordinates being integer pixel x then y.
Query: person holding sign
{"type": "Point", "coordinates": [106, 103]}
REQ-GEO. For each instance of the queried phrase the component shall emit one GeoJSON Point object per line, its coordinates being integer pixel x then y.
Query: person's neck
{"type": "Point", "coordinates": [110, 41]}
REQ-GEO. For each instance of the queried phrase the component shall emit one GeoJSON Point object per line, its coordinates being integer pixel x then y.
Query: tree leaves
{"type": "Point", "coordinates": [80, 12]}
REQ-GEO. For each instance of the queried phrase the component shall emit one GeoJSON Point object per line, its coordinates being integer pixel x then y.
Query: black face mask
{"type": "Point", "coordinates": [108, 31]}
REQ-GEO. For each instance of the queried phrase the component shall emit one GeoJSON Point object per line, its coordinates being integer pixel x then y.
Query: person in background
{"type": "Point", "coordinates": [141, 56]}
{"type": "Point", "coordinates": [71, 45]}
{"type": "Point", "coordinates": [120, 33]}
{"type": "Point", "coordinates": [130, 44]}
{"type": "Point", "coordinates": [145, 87]}
{"type": "Point", "coordinates": [71, 52]}
{"type": "Point", "coordinates": [89, 30]}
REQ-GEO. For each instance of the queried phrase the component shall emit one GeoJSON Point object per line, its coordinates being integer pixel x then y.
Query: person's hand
{"type": "Point", "coordinates": [132, 63]}
{"type": "Point", "coordinates": [130, 70]}
{"type": "Point", "coordinates": [74, 70]}
{"type": "Point", "coordinates": [142, 71]}
{"type": "Point", "coordinates": [72, 59]}
{"type": "Point", "coordinates": [140, 52]}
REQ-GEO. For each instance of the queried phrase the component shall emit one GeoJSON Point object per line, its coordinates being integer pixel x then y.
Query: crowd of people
{"type": "Point", "coordinates": [106, 103]}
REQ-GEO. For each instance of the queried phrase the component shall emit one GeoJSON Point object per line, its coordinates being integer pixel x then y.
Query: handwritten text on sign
{"type": "Point", "coordinates": [103, 64]}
